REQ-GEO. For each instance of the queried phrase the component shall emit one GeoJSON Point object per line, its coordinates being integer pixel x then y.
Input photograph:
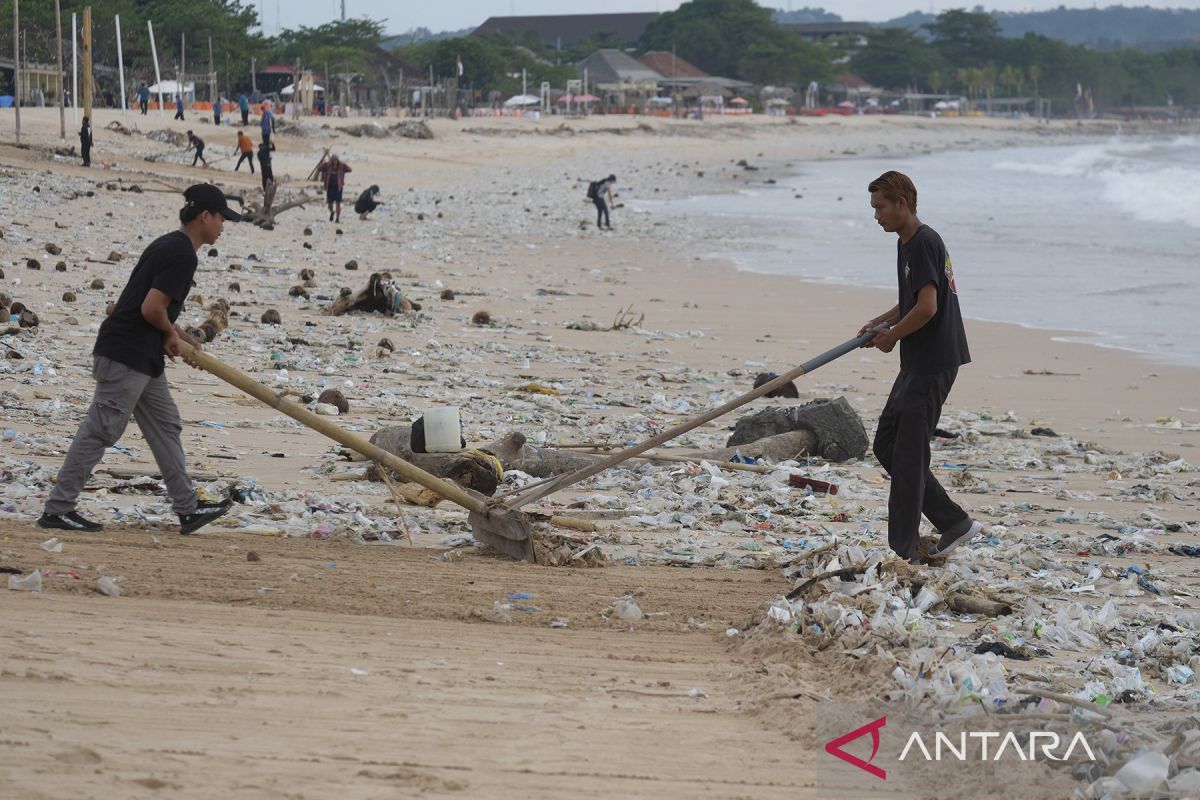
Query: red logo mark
{"type": "Point", "coordinates": [834, 747]}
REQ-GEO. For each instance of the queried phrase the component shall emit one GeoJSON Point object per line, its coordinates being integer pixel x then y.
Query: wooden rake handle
{"type": "Point", "coordinates": [586, 472]}
{"type": "Point", "coordinates": [321, 425]}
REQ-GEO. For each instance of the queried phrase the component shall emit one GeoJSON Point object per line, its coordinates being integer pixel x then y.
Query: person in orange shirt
{"type": "Point", "coordinates": [246, 148]}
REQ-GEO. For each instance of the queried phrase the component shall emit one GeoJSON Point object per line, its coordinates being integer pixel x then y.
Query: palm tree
{"type": "Point", "coordinates": [935, 81]}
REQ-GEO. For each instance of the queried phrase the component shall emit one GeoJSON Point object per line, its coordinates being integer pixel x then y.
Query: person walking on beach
{"type": "Point", "coordinates": [597, 192]}
{"type": "Point", "coordinates": [246, 148]}
{"type": "Point", "coordinates": [217, 112]}
{"type": "Point", "coordinates": [366, 202]}
{"type": "Point", "coordinates": [129, 369]}
{"type": "Point", "coordinates": [333, 180]}
{"type": "Point", "coordinates": [264, 163]}
{"type": "Point", "coordinates": [197, 144]}
{"type": "Point", "coordinates": [244, 107]}
{"type": "Point", "coordinates": [178, 106]}
{"type": "Point", "coordinates": [85, 141]}
{"type": "Point", "coordinates": [143, 96]}
{"type": "Point", "coordinates": [268, 124]}
{"type": "Point", "coordinates": [927, 324]}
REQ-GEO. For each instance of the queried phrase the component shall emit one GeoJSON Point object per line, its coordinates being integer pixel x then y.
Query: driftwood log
{"type": "Point", "coordinates": [477, 471]}
{"type": "Point", "coordinates": [514, 452]}
{"type": "Point", "coordinates": [263, 214]}
{"type": "Point", "coordinates": [381, 294]}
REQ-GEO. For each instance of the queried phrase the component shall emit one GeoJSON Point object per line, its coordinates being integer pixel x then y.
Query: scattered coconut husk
{"type": "Point", "coordinates": [481, 318]}
{"type": "Point", "coordinates": [336, 399]}
{"type": "Point", "coordinates": [271, 317]}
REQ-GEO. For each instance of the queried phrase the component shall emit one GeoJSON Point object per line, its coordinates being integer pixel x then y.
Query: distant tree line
{"type": "Point", "coordinates": [955, 52]}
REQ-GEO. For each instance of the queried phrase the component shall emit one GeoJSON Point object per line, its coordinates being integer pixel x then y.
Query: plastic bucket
{"type": "Point", "coordinates": [443, 431]}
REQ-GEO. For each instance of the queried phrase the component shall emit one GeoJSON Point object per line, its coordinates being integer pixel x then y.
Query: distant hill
{"type": "Point", "coordinates": [418, 35]}
{"type": "Point", "coordinates": [802, 15]}
{"type": "Point", "coordinates": [1098, 28]}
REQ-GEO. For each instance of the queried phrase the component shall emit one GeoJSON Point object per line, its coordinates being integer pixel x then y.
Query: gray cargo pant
{"type": "Point", "coordinates": [120, 392]}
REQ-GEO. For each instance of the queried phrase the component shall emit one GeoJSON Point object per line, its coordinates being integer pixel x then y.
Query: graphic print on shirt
{"type": "Point", "coordinates": [950, 274]}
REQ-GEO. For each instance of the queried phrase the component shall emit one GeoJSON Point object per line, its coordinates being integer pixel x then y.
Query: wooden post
{"type": "Point", "coordinates": [87, 62]}
{"type": "Point", "coordinates": [74, 69]}
{"type": "Point", "coordinates": [120, 60]}
{"type": "Point", "coordinates": [62, 83]}
{"type": "Point", "coordinates": [212, 75]}
{"type": "Point", "coordinates": [157, 74]}
{"type": "Point", "coordinates": [181, 73]}
{"type": "Point", "coordinates": [17, 66]}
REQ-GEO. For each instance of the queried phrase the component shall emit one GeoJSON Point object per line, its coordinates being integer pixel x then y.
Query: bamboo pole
{"type": "Point", "coordinates": [323, 426]}
{"type": "Point", "coordinates": [87, 62]}
{"type": "Point", "coordinates": [120, 61]}
{"type": "Point", "coordinates": [62, 83]}
{"type": "Point", "coordinates": [17, 66]}
{"type": "Point", "coordinates": [157, 74]}
{"type": "Point", "coordinates": [74, 69]}
{"type": "Point", "coordinates": [666, 436]}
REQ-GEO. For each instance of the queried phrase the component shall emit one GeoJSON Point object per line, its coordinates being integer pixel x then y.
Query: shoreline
{"type": "Point", "coordinates": [749, 232]}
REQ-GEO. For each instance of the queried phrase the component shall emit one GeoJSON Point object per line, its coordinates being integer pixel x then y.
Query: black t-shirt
{"type": "Point", "coordinates": [168, 265]}
{"type": "Point", "coordinates": [941, 344]}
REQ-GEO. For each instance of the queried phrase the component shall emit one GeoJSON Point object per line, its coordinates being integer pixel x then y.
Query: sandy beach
{"type": "Point", "coordinates": [337, 662]}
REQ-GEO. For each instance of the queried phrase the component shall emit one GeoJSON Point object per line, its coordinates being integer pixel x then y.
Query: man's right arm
{"type": "Point", "coordinates": [154, 311]}
{"type": "Point", "coordinates": [891, 317]}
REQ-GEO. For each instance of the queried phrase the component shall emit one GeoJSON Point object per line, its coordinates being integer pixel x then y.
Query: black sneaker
{"type": "Point", "coordinates": [961, 534]}
{"type": "Point", "coordinates": [204, 514]}
{"type": "Point", "coordinates": [71, 521]}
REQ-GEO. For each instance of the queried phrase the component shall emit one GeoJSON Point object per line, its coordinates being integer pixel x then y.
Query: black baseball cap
{"type": "Point", "coordinates": [208, 197]}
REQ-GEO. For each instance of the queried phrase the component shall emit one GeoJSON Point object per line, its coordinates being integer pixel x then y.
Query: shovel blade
{"type": "Point", "coordinates": [505, 530]}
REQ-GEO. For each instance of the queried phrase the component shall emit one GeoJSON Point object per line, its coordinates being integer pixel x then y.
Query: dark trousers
{"type": "Point", "coordinates": [245, 118]}
{"type": "Point", "coordinates": [246, 157]}
{"type": "Point", "coordinates": [199, 156]}
{"type": "Point", "coordinates": [145, 107]}
{"type": "Point", "coordinates": [87, 154]}
{"type": "Point", "coordinates": [179, 113]}
{"type": "Point", "coordinates": [902, 447]}
{"type": "Point", "coordinates": [267, 176]}
{"type": "Point", "coordinates": [601, 212]}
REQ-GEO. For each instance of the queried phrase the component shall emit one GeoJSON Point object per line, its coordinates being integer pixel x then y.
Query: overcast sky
{"type": "Point", "coordinates": [456, 14]}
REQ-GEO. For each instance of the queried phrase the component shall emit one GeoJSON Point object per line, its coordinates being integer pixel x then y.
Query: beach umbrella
{"type": "Point", "coordinates": [662, 101]}
{"type": "Point", "coordinates": [522, 100]}
{"type": "Point", "coordinates": [291, 88]}
{"type": "Point", "coordinates": [586, 98]}
{"type": "Point", "coordinates": [845, 104]}
{"type": "Point", "coordinates": [739, 101]}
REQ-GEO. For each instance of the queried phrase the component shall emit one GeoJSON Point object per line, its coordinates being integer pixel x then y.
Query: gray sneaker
{"type": "Point", "coordinates": [953, 538]}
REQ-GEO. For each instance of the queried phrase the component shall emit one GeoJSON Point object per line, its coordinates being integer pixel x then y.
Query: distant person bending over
{"type": "Point", "coordinates": [333, 179]}
{"type": "Point", "coordinates": [129, 369]}
{"type": "Point", "coordinates": [598, 191]}
{"type": "Point", "coordinates": [246, 148]}
{"type": "Point", "coordinates": [264, 163]}
{"type": "Point", "coordinates": [928, 325]}
{"type": "Point", "coordinates": [244, 107]}
{"type": "Point", "coordinates": [178, 106]}
{"type": "Point", "coordinates": [197, 144]}
{"type": "Point", "coordinates": [85, 141]}
{"type": "Point", "coordinates": [366, 202]}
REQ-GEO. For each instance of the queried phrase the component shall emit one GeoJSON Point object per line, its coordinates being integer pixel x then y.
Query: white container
{"type": "Point", "coordinates": [443, 431]}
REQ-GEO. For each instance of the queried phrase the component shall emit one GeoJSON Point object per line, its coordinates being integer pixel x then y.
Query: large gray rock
{"type": "Point", "coordinates": [839, 430]}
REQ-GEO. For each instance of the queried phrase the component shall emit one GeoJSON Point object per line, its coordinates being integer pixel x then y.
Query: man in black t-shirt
{"type": "Point", "coordinates": [128, 366]}
{"type": "Point", "coordinates": [927, 324]}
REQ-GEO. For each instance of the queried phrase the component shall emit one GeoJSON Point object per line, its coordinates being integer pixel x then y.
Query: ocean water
{"type": "Point", "coordinates": [1098, 241]}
